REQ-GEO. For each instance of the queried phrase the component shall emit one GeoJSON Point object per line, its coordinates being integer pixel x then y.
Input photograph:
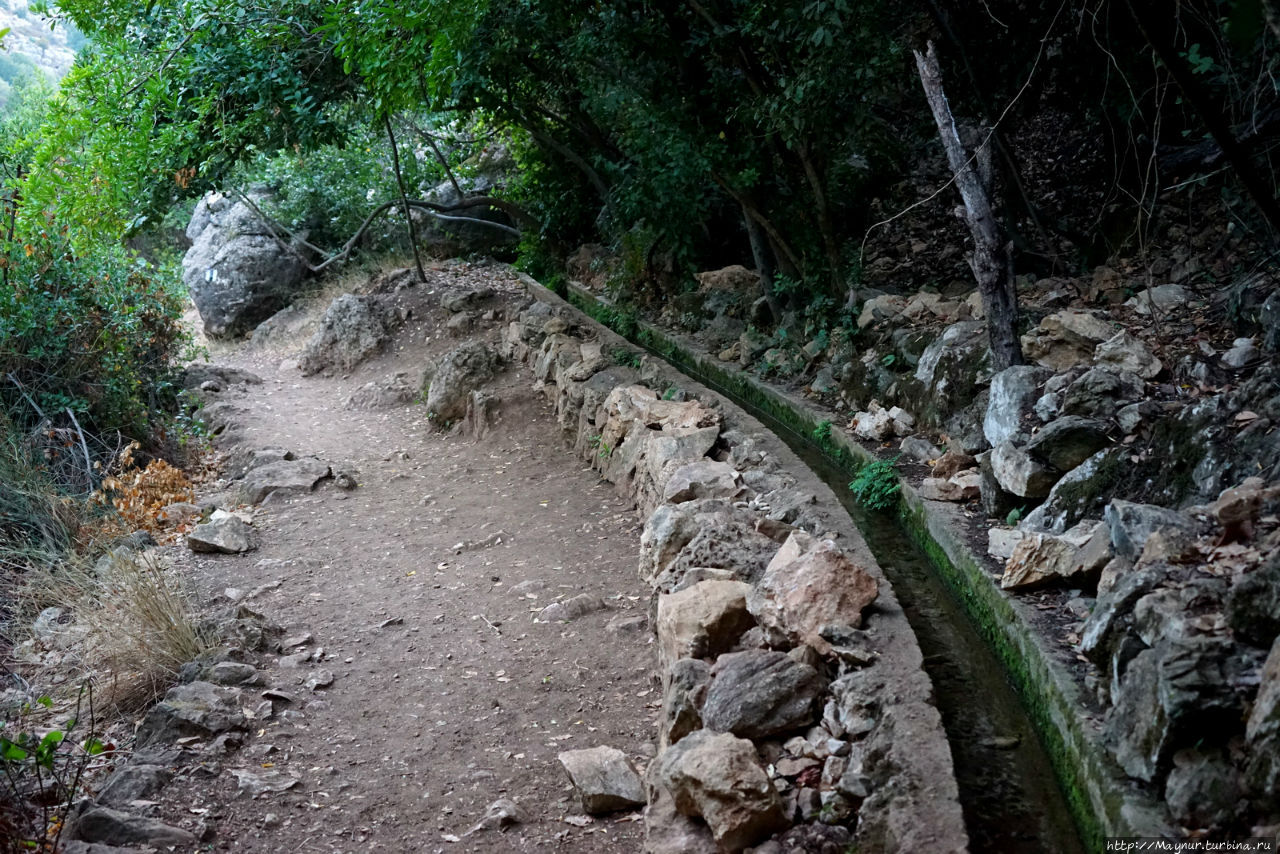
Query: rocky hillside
{"type": "Point", "coordinates": [34, 43]}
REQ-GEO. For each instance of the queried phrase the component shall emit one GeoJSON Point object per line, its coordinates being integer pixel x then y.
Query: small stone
{"type": "Point", "coordinates": [231, 673]}
{"type": "Point", "coordinates": [319, 679]}
{"type": "Point", "coordinates": [1242, 352]}
{"type": "Point", "coordinates": [256, 782]}
{"type": "Point", "coordinates": [604, 779]}
{"type": "Point", "coordinates": [572, 609]}
{"type": "Point", "coordinates": [224, 533]}
{"type": "Point", "coordinates": [112, 827]}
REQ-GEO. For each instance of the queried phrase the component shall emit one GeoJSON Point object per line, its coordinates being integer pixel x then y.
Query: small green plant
{"type": "Point", "coordinates": [625, 356]}
{"type": "Point", "coordinates": [671, 392]}
{"type": "Point", "coordinates": [41, 771]}
{"type": "Point", "coordinates": [876, 484]}
{"type": "Point", "coordinates": [822, 433]}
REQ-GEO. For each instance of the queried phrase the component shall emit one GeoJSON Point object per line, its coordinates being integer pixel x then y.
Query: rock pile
{"type": "Point", "coordinates": [775, 710]}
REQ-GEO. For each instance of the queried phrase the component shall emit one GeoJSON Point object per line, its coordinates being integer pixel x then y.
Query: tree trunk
{"type": "Point", "coordinates": [404, 200]}
{"type": "Point", "coordinates": [762, 252]}
{"type": "Point", "coordinates": [991, 262]}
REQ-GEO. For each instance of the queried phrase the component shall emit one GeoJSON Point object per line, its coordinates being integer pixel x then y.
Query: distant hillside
{"type": "Point", "coordinates": [33, 44]}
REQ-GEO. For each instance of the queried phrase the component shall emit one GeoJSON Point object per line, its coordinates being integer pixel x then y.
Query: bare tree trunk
{"type": "Point", "coordinates": [762, 252]}
{"type": "Point", "coordinates": [991, 260]}
{"type": "Point", "coordinates": [404, 200]}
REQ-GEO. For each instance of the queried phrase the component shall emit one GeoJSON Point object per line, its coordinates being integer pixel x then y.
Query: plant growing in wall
{"type": "Point", "coordinates": [876, 484]}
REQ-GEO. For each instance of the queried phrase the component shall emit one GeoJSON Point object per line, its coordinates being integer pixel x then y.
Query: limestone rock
{"type": "Point", "coordinates": [1262, 768]}
{"type": "Point", "coordinates": [1080, 492]}
{"type": "Point", "coordinates": [1180, 692]}
{"type": "Point", "coordinates": [1041, 558]}
{"type": "Point", "coordinates": [1164, 298]}
{"type": "Point", "coordinates": [760, 693]}
{"type": "Point", "coordinates": [1066, 338]}
{"type": "Point", "coordinates": [875, 424]}
{"type": "Point", "coordinates": [112, 827]}
{"type": "Point", "coordinates": [964, 486]}
{"type": "Point", "coordinates": [1100, 392]}
{"type": "Point", "coordinates": [395, 390]}
{"type": "Point", "coordinates": [953, 462]}
{"type": "Point", "coordinates": [686, 691]}
{"type": "Point", "coordinates": [808, 586]}
{"type": "Point", "coordinates": [1018, 473]}
{"type": "Point", "coordinates": [1131, 524]}
{"type": "Point", "coordinates": [458, 373]}
{"type": "Point", "coordinates": [224, 533]}
{"type": "Point", "coordinates": [604, 779]}
{"type": "Point", "coordinates": [130, 783]}
{"type": "Point", "coordinates": [701, 479]}
{"type": "Point", "coordinates": [236, 272]}
{"type": "Point", "coordinates": [702, 621]}
{"type": "Point", "coordinates": [1001, 542]}
{"type": "Point", "coordinates": [921, 450]}
{"type": "Point", "coordinates": [1066, 442]}
{"type": "Point", "coordinates": [572, 608]}
{"type": "Point", "coordinates": [1014, 392]}
{"type": "Point", "coordinates": [195, 709]}
{"type": "Point", "coordinates": [1203, 789]}
{"type": "Point", "coordinates": [353, 328]}
{"type": "Point", "coordinates": [717, 777]}
{"type": "Point", "coordinates": [1242, 352]}
{"type": "Point", "coordinates": [666, 830]}
{"type": "Point", "coordinates": [198, 374]}
{"type": "Point", "coordinates": [1127, 353]}
{"type": "Point", "coordinates": [290, 476]}
{"type": "Point", "coordinates": [1253, 603]}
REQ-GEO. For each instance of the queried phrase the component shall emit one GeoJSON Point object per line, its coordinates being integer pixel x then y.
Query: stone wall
{"type": "Point", "coordinates": [794, 706]}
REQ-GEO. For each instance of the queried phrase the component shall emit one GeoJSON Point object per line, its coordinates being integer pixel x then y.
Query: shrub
{"type": "Point", "coordinates": [91, 333]}
{"type": "Point", "coordinates": [876, 484]}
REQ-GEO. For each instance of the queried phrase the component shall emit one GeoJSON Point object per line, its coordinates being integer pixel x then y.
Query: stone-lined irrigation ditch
{"type": "Point", "coordinates": [1098, 797]}
{"type": "Point", "coordinates": [772, 617]}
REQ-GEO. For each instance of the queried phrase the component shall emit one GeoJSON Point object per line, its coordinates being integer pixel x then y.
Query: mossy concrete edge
{"type": "Point", "coordinates": [1103, 802]}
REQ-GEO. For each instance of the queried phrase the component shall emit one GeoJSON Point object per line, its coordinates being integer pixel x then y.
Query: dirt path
{"type": "Point", "coordinates": [446, 694]}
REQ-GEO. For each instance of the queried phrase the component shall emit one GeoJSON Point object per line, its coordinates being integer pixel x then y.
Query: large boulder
{"type": "Point", "coordinates": [352, 330]}
{"type": "Point", "coordinates": [458, 373]}
{"type": "Point", "coordinates": [952, 370]}
{"type": "Point", "coordinates": [236, 272]}
{"type": "Point", "coordinates": [1014, 392]}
